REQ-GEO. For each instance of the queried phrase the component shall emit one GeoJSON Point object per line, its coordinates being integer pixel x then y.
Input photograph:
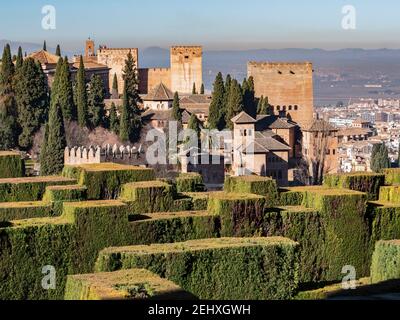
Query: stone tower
{"type": "Point", "coordinates": [89, 49]}
{"type": "Point", "coordinates": [186, 68]}
{"type": "Point", "coordinates": [288, 86]}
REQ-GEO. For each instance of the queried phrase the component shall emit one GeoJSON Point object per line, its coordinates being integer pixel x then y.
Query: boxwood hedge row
{"type": "Point", "coordinates": [223, 268]}
{"type": "Point", "coordinates": [11, 165]}
{"type": "Point", "coordinates": [385, 261]}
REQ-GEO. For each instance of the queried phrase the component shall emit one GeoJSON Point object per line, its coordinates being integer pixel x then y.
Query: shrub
{"type": "Point", "coordinates": [23, 210]}
{"type": "Point", "coordinates": [384, 221]}
{"type": "Point", "coordinates": [392, 176]}
{"type": "Point", "coordinates": [104, 180]}
{"type": "Point", "coordinates": [57, 195]}
{"type": "Point", "coordinates": [239, 212]}
{"type": "Point", "coordinates": [189, 182]}
{"type": "Point", "coordinates": [28, 188]}
{"type": "Point", "coordinates": [148, 196]}
{"type": "Point", "coordinates": [124, 284]}
{"type": "Point", "coordinates": [174, 227]}
{"type": "Point", "coordinates": [11, 165]}
{"type": "Point", "coordinates": [390, 194]}
{"type": "Point", "coordinates": [199, 199]}
{"type": "Point", "coordinates": [223, 268]}
{"type": "Point", "coordinates": [385, 261]}
{"type": "Point", "coordinates": [364, 182]}
{"type": "Point", "coordinates": [290, 197]}
{"type": "Point", "coordinates": [263, 186]}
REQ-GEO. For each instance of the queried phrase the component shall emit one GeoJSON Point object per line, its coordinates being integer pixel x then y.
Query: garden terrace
{"type": "Point", "coordinates": [104, 180]}
{"type": "Point", "coordinates": [173, 227]}
{"type": "Point", "coordinates": [29, 188]}
{"type": "Point", "coordinates": [129, 284]}
{"type": "Point", "coordinates": [223, 268]}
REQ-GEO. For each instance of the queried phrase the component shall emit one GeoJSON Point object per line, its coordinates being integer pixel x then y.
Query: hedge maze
{"type": "Point", "coordinates": [114, 231]}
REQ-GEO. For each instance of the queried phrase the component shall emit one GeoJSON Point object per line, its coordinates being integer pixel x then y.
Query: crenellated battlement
{"type": "Point", "coordinates": [97, 154]}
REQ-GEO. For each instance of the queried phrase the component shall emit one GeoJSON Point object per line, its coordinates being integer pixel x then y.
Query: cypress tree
{"type": "Point", "coordinates": [216, 110]}
{"type": "Point", "coordinates": [58, 51]}
{"type": "Point", "coordinates": [20, 59]}
{"type": "Point", "coordinates": [202, 88]}
{"type": "Point", "coordinates": [81, 95]}
{"type": "Point", "coordinates": [44, 46]}
{"type": "Point", "coordinates": [31, 94]}
{"type": "Point", "coordinates": [124, 125]}
{"type": "Point", "coordinates": [176, 110]}
{"type": "Point", "coordinates": [379, 157]}
{"type": "Point", "coordinates": [8, 109]}
{"type": "Point", "coordinates": [64, 95]}
{"type": "Point", "coordinates": [263, 106]}
{"type": "Point", "coordinates": [96, 95]}
{"type": "Point", "coordinates": [43, 151]}
{"type": "Point", "coordinates": [53, 155]}
{"type": "Point", "coordinates": [194, 88]}
{"type": "Point", "coordinates": [114, 92]}
{"type": "Point", "coordinates": [194, 124]}
{"type": "Point", "coordinates": [248, 96]}
{"type": "Point", "coordinates": [133, 112]}
{"type": "Point", "coordinates": [235, 102]}
{"type": "Point", "coordinates": [398, 156]}
{"type": "Point", "coordinates": [114, 123]}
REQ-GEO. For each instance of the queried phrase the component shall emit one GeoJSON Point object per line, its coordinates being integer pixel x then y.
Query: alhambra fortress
{"type": "Point", "coordinates": [281, 139]}
{"type": "Point", "coordinates": [108, 227]}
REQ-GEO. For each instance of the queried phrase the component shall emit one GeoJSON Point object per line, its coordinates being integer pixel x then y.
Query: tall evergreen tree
{"type": "Point", "coordinates": [58, 51]}
{"type": "Point", "coordinates": [194, 88]}
{"type": "Point", "coordinates": [81, 95]}
{"type": "Point", "coordinates": [8, 109]}
{"type": "Point", "coordinates": [202, 88]}
{"type": "Point", "coordinates": [64, 95]}
{"type": "Point", "coordinates": [379, 157]}
{"type": "Point", "coordinates": [124, 123]}
{"type": "Point", "coordinates": [31, 94]}
{"type": "Point", "coordinates": [44, 46]}
{"type": "Point", "coordinates": [114, 92]}
{"type": "Point", "coordinates": [235, 102]}
{"type": "Point", "coordinates": [43, 151]}
{"type": "Point", "coordinates": [20, 59]}
{"type": "Point", "coordinates": [217, 108]}
{"type": "Point", "coordinates": [263, 106]}
{"type": "Point", "coordinates": [248, 96]}
{"type": "Point", "coordinates": [113, 119]}
{"type": "Point", "coordinates": [176, 110]}
{"type": "Point", "coordinates": [53, 155]}
{"type": "Point", "coordinates": [133, 112]}
{"type": "Point", "coordinates": [398, 157]}
{"type": "Point", "coordinates": [194, 124]}
{"type": "Point", "coordinates": [96, 110]}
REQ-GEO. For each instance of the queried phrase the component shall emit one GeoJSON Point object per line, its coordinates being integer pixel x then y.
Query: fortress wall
{"type": "Point", "coordinates": [115, 58]}
{"type": "Point", "coordinates": [150, 77]}
{"type": "Point", "coordinates": [186, 68]}
{"type": "Point", "coordinates": [287, 85]}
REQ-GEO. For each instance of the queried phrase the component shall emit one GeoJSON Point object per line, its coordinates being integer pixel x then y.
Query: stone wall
{"type": "Point", "coordinates": [186, 68]}
{"type": "Point", "coordinates": [115, 58]}
{"type": "Point", "coordinates": [288, 86]}
{"type": "Point", "coordinates": [150, 77]}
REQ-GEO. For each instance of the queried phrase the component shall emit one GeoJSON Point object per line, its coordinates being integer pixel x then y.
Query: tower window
{"type": "Point", "coordinates": [186, 57]}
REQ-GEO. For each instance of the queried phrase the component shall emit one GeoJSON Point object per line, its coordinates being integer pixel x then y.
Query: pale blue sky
{"type": "Point", "coordinates": [215, 24]}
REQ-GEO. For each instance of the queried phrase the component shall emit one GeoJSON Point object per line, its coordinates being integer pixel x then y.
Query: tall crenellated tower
{"type": "Point", "coordinates": [89, 49]}
{"type": "Point", "coordinates": [186, 68]}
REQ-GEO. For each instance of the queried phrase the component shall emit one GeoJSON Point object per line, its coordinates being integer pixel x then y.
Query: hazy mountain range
{"type": "Point", "coordinates": [339, 74]}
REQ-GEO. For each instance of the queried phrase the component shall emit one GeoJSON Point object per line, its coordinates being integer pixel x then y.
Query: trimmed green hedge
{"type": "Point", "coordinates": [364, 182]}
{"type": "Point", "coordinates": [392, 176]}
{"type": "Point", "coordinates": [386, 261]}
{"type": "Point", "coordinates": [11, 165]}
{"type": "Point", "coordinates": [390, 194]}
{"type": "Point", "coordinates": [23, 210]}
{"type": "Point", "coordinates": [104, 180]}
{"type": "Point", "coordinates": [69, 242]}
{"type": "Point", "coordinates": [223, 268]}
{"type": "Point", "coordinates": [240, 213]}
{"type": "Point", "coordinates": [29, 188]}
{"type": "Point", "coordinates": [290, 197]}
{"type": "Point", "coordinates": [174, 227]}
{"type": "Point", "coordinates": [384, 221]}
{"type": "Point", "coordinates": [57, 195]}
{"type": "Point", "coordinates": [199, 200]}
{"type": "Point", "coordinates": [263, 186]}
{"type": "Point", "coordinates": [125, 284]}
{"type": "Point", "coordinates": [189, 182]}
{"type": "Point", "coordinates": [148, 196]}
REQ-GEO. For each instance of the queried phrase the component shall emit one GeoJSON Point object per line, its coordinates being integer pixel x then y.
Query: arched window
{"type": "Point", "coordinates": [295, 107]}
{"type": "Point", "coordinates": [290, 107]}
